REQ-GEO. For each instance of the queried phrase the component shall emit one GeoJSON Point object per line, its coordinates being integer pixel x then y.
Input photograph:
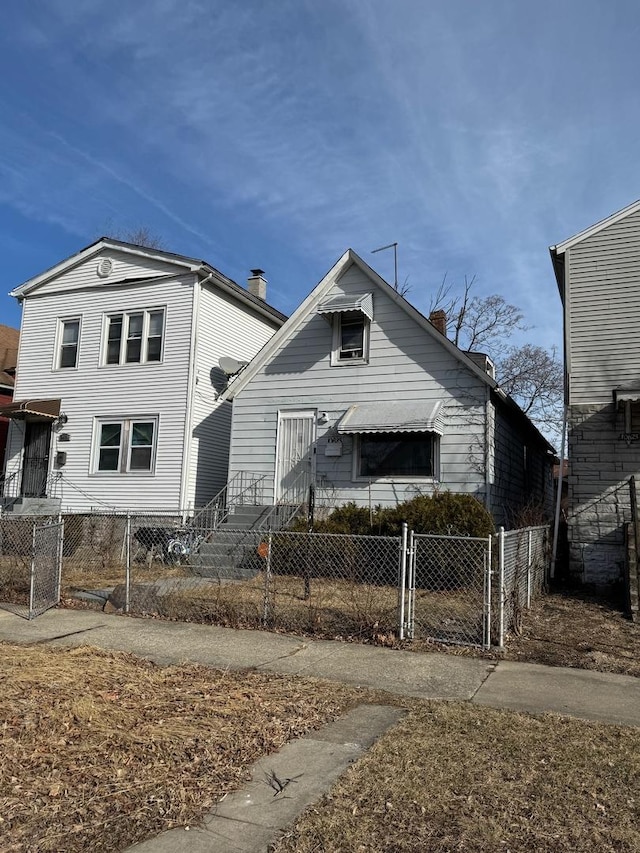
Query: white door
{"type": "Point", "coordinates": [295, 457]}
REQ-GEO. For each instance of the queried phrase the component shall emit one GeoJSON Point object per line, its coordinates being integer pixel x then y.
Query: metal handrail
{"type": "Point", "coordinates": [234, 493]}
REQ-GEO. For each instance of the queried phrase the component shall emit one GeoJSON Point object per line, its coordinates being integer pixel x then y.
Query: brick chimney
{"type": "Point", "coordinates": [439, 320]}
{"type": "Point", "coordinates": [257, 284]}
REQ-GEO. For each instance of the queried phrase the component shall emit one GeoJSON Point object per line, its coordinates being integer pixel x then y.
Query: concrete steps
{"type": "Point", "coordinates": [231, 551]}
{"type": "Point", "coordinates": [33, 506]}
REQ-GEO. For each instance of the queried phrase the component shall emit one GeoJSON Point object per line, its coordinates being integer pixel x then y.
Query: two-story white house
{"type": "Point", "coordinates": [598, 274]}
{"type": "Point", "coordinates": [116, 393]}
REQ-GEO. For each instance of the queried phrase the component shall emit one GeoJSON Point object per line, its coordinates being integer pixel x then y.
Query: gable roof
{"type": "Point", "coordinates": [561, 248]}
{"type": "Point", "coordinates": [9, 338]}
{"type": "Point", "coordinates": [313, 300]}
{"type": "Point", "coordinates": [311, 303]}
{"type": "Point", "coordinates": [184, 262]}
{"type": "Point", "coordinates": [557, 252]}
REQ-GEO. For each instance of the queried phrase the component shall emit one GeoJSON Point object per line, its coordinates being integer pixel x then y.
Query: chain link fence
{"type": "Point", "coordinates": [30, 564]}
{"type": "Point", "coordinates": [379, 589]}
{"type": "Point", "coordinates": [449, 589]}
{"type": "Point", "coordinates": [522, 559]}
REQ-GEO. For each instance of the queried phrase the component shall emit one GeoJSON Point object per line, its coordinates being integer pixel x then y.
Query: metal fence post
{"type": "Point", "coordinates": [402, 579]}
{"type": "Point", "coordinates": [529, 562]}
{"type": "Point", "coordinates": [267, 583]}
{"type": "Point", "coordinates": [501, 586]}
{"type": "Point", "coordinates": [32, 573]}
{"type": "Point", "coordinates": [489, 572]}
{"type": "Point", "coordinates": [60, 556]}
{"type": "Point", "coordinates": [127, 565]}
{"type": "Point", "coordinates": [412, 586]}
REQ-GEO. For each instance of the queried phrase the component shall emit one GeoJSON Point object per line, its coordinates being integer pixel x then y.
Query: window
{"type": "Point", "coordinates": [350, 337]}
{"type": "Point", "coordinates": [134, 338]}
{"type": "Point", "coordinates": [69, 338]}
{"type": "Point", "coordinates": [125, 446]}
{"type": "Point", "coordinates": [397, 455]}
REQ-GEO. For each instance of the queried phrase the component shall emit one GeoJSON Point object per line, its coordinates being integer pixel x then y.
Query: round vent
{"type": "Point", "coordinates": [105, 265]}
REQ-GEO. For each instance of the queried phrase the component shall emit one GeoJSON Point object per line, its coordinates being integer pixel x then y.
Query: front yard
{"type": "Point", "coordinates": [100, 749]}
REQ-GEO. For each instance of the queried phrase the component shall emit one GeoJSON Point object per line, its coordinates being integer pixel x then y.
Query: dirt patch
{"type": "Point", "coordinates": [577, 630]}
{"type": "Point", "coordinates": [101, 749]}
{"type": "Point", "coordinates": [459, 778]}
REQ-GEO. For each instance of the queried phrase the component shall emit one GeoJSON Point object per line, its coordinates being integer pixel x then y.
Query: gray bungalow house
{"type": "Point", "coordinates": [598, 274]}
{"type": "Point", "coordinates": [362, 394]}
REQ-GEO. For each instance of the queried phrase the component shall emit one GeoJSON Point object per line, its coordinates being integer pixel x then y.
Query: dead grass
{"type": "Point", "coordinates": [577, 630]}
{"type": "Point", "coordinates": [101, 749]}
{"type": "Point", "coordinates": [561, 628]}
{"type": "Point", "coordinates": [461, 778]}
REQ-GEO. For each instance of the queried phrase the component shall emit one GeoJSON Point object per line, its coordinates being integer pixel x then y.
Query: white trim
{"type": "Point", "coordinates": [397, 478]}
{"type": "Point", "coordinates": [92, 251]}
{"type": "Point", "coordinates": [560, 248]}
{"type": "Point", "coordinates": [336, 341]}
{"type": "Point", "coordinates": [187, 440]}
{"type": "Point", "coordinates": [309, 305]}
{"type": "Point", "coordinates": [144, 342]}
{"type": "Point", "coordinates": [57, 352]}
{"type": "Point", "coordinates": [124, 452]}
{"type": "Point", "coordinates": [289, 414]}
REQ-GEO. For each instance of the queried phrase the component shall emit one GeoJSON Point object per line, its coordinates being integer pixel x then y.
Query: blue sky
{"type": "Point", "coordinates": [278, 133]}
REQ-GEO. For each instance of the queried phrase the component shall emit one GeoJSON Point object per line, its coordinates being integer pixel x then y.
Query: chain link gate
{"type": "Point", "coordinates": [446, 594]}
{"type": "Point", "coordinates": [31, 565]}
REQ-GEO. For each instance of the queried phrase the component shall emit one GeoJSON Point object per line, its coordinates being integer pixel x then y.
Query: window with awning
{"type": "Point", "coordinates": [399, 439]}
{"type": "Point", "coordinates": [415, 416]}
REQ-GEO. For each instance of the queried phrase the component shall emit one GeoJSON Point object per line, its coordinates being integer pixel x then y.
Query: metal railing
{"type": "Point", "coordinates": [243, 489]}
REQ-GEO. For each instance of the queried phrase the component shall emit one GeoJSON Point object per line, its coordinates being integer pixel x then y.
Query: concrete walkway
{"type": "Point", "coordinates": [505, 684]}
{"type": "Point", "coordinates": [283, 785]}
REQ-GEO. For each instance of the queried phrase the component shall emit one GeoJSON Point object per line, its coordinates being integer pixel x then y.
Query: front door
{"type": "Point", "coordinates": [37, 440]}
{"type": "Point", "coordinates": [295, 460]}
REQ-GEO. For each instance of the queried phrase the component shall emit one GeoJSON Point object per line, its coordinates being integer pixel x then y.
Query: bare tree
{"type": "Point", "coordinates": [139, 235]}
{"type": "Point", "coordinates": [531, 374]}
{"type": "Point", "coordinates": [476, 321]}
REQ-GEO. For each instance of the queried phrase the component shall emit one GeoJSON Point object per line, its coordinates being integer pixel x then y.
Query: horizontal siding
{"type": "Point", "coordinates": [125, 266]}
{"type": "Point", "coordinates": [92, 391]}
{"type": "Point", "coordinates": [604, 306]}
{"type": "Point", "coordinates": [225, 327]}
{"type": "Point", "coordinates": [405, 363]}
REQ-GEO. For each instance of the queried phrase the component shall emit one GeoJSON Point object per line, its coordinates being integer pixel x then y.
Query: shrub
{"type": "Point", "coordinates": [444, 513]}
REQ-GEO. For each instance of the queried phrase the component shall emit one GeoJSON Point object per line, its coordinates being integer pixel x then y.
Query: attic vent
{"type": "Point", "coordinates": [105, 265]}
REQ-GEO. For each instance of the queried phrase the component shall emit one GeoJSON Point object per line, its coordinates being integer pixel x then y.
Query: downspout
{"type": "Point", "coordinates": [188, 421]}
{"type": "Point", "coordinates": [556, 523]}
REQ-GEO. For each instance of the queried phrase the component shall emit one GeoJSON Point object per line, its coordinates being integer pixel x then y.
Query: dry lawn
{"type": "Point", "coordinates": [101, 749]}
{"type": "Point", "coordinates": [561, 628]}
{"type": "Point", "coordinates": [576, 630]}
{"type": "Point", "coordinates": [461, 778]}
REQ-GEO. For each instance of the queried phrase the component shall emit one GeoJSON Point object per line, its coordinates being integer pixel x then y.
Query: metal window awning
{"type": "Point", "coordinates": [342, 304]}
{"type": "Point", "coordinates": [629, 394]}
{"type": "Point", "coordinates": [414, 416]}
{"type": "Point", "coordinates": [21, 409]}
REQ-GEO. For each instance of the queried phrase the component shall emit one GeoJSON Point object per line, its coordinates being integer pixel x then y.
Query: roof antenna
{"type": "Point", "coordinates": [393, 246]}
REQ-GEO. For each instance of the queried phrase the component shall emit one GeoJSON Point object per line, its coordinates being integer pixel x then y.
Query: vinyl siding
{"type": "Point", "coordinates": [224, 327]}
{"type": "Point", "coordinates": [604, 311]}
{"type": "Point", "coordinates": [405, 362]}
{"type": "Point", "coordinates": [92, 390]}
{"type": "Point", "coordinates": [522, 476]}
{"type": "Point", "coordinates": [84, 274]}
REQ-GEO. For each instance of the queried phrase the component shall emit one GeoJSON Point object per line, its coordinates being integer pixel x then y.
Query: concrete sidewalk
{"type": "Point", "coordinates": [505, 684]}
{"type": "Point", "coordinates": [251, 818]}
